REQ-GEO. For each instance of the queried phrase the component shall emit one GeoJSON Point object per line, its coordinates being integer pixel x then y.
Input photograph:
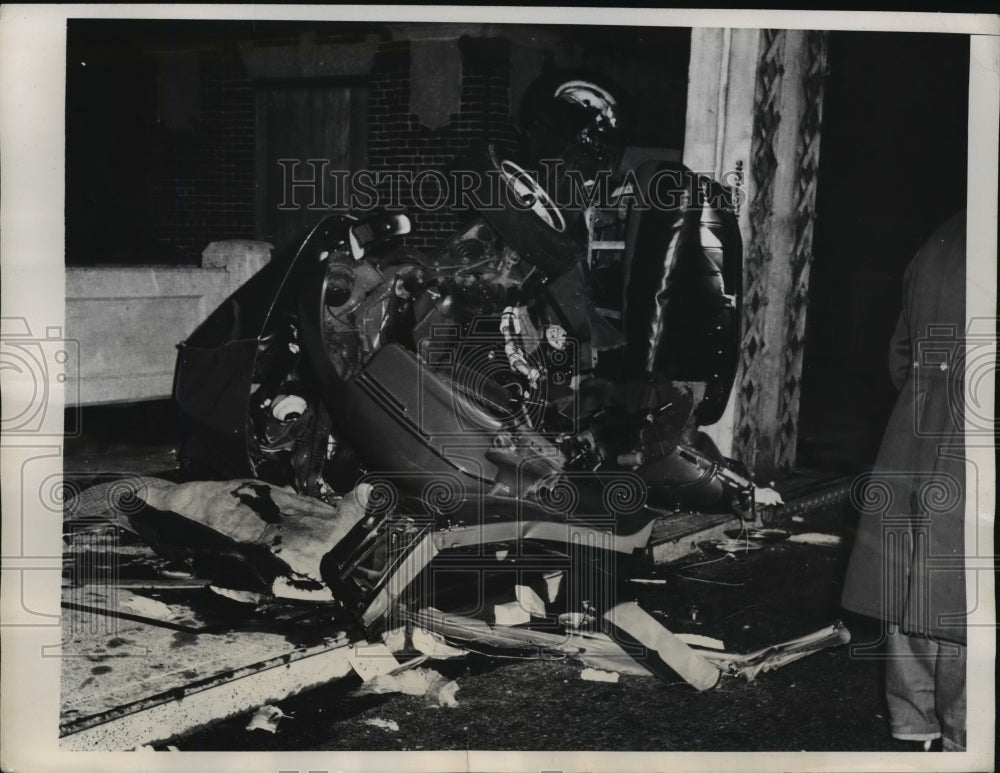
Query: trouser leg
{"type": "Point", "coordinates": [910, 686]}
{"type": "Point", "coordinates": [949, 684]}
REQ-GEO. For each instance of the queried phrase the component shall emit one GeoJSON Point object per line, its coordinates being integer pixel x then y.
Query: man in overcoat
{"type": "Point", "coordinates": [906, 567]}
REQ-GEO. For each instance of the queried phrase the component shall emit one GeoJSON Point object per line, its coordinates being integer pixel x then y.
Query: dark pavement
{"type": "Point", "coordinates": [825, 702]}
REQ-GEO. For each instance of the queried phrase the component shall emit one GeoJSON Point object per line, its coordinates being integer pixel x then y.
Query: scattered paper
{"type": "Point", "coordinates": [175, 574]}
{"type": "Point", "coordinates": [815, 538]}
{"type": "Point", "coordinates": [266, 718]}
{"type": "Point", "coordinates": [749, 665]}
{"type": "Point", "coordinates": [511, 613]}
{"type": "Point", "coordinates": [446, 695]}
{"type": "Point", "coordinates": [697, 640]}
{"type": "Point", "coordinates": [395, 639]}
{"type": "Point", "coordinates": [434, 646]}
{"type": "Point", "coordinates": [149, 607]}
{"type": "Point", "coordinates": [594, 675]}
{"type": "Point", "coordinates": [597, 650]}
{"type": "Point", "coordinates": [552, 582]}
{"type": "Point", "coordinates": [283, 588]}
{"type": "Point", "coordinates": [242, 596]}
{"type": "Point", "coordinates": [418, 681]}
{"type": "Point", "coordinates": [662, 648]}
{"type": "Point", "coordinates": [438, 690]}
{"type": "Point", "coordinates": [530, 600]}
{"type": "Point", "coordinates": [371, 661]}
{"type": "Point", "coordinates": [622, 663]}
{"type": "Point", "coordinates": [386, 724]}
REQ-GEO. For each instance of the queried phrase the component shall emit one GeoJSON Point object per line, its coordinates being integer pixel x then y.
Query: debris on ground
{"type": "Point", "coordinates": [663, 648]}
{"type": "Point", "coordinates": [437, 689]}
{"type": "Point", "coordinates": [434, 646]}
{"type": "Point", "coordinates": [446, 695]}
{"type": "Point", "coordinates": [592, 649]}
{"type": "Point", "coordinates": [285, 588]}
{"type": "Point", "coordinates": [697, 640]}
{"type": "Point", "coordinates": [596, 675]}
{"type": "Point", "coordinates": [149, 607]}
{"type": "Point", "coordinates": [386, 724]}
{"type": "Point", "coordinates": [371, 661]}
{"type": "Point", "coordinates": [395, 639]}
{"type": "Point", "coordinates": [511, 613]}
{"type": "Point", "coordinates": [749, 665]}
{"type": "Point", "coordinates": [529, 600]}
{"type": "Point", "coordinates": [574, 620]}
{"type": "Point", "coordinates": [282, 535]}
{"type": "Point", "coordinates": [600, 651]}
{"type": "Point", "coordinates": [266, 718]}
{"type": "Point", "coordinates": [734, 546]}
{"type": "Point", "coordinates": [553, 582]}
{"type": "Point", "coordinates": [815, 538]}
{"type": "Point", "coordinates": [239, 596]}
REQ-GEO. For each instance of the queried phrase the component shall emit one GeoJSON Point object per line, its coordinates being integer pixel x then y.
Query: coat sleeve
{"type": "Point", "coordinates": [900, 346]}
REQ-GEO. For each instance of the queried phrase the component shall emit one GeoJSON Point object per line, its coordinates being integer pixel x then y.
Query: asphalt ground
{"type": "Point", "coordinates": [528, 701]}
{"type": "Point", "coordinates": [825, 702]}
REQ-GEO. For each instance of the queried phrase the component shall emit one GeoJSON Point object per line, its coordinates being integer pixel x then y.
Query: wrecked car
{"type": "Point", "coordinates": [477, 390]}
{"type": "Point", "coordinates": [387, 431]}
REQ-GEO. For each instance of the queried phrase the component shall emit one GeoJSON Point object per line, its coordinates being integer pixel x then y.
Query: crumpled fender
{"type": "Point", "coordinates": [683, 270]}
{"type": "Point", "coordinates": [272, 530]}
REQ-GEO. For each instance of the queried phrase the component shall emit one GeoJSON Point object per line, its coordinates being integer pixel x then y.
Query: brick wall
{"type": "Point", "coordinates": [398, 142]}
{"type": "Point", "coordinates": [202, 181]}
{"type": "Point", "coordinates": [145, 189]}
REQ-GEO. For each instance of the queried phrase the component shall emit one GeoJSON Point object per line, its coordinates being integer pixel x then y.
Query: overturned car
{"type": "Point", "coordinates": [377, 428]}
{"type": "Point", "coordinates": [478, 388]}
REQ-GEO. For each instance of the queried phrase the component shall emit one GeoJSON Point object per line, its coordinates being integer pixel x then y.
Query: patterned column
{"type": "Point", "coordinates": [807, 175]}
{"type": "Point", "coordinates": [752, 377]}
{"type": "Point", "coordinates": [783, 169]}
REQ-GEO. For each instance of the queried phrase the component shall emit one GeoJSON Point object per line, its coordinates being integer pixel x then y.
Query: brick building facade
{"type": "Point", "coordinates": [194, 120]}
{"type": "Point", "coordinates": [399, 142]}
{"type": "Point", "coordinates": [202, 181]}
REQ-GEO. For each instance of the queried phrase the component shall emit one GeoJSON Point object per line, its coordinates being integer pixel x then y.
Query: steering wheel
{"type": "Point", "coordinates": [531, 195]}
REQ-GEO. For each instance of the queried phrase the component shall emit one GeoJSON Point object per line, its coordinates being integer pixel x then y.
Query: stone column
{"type": "Point", "coordinates": [754, 115]}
